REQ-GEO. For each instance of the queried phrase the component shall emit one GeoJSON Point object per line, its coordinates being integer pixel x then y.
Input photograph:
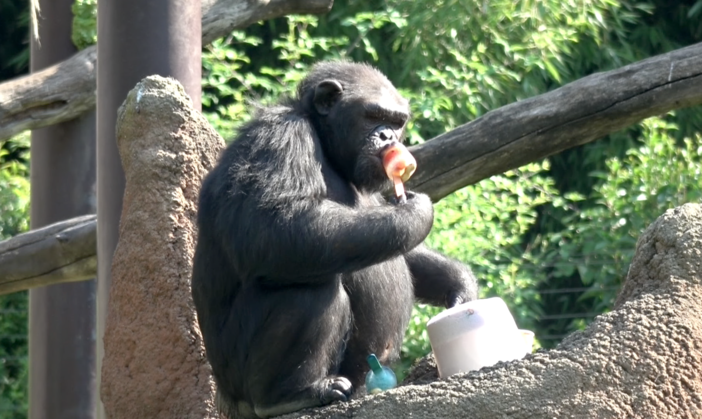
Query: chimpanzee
{"type": "Point", "coordinates": [301, 268]}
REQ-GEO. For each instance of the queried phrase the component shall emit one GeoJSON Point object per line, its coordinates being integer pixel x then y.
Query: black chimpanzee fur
{"type": "Point", "coordinates": [301, 268]}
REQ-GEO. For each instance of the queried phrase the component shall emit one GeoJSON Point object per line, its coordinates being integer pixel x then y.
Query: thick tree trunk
{"type": "Point", "coordinates": [62, 317]}
{"type": "Point", "coordinates": [530, 130]}
{"type": "Point", "coordinates": [67, 90]}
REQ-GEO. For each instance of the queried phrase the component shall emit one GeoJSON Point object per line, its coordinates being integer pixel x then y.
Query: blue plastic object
{"type": "Point", "coordinates": [379, 378]}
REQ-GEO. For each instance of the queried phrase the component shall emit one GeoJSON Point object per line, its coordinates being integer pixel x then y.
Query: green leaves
{"type": "Point", "coordinates": [14, 186]}
{"type": "Point", "coordinates": [599, 239]}
{"type": "Point", "coordinates": [14, 219]}
{"type": "Point", "coordinates": [84, 32]}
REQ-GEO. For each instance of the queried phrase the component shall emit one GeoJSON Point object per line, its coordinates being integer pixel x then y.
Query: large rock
{"type": "Point", "coordinates": [642, 360]}
{"type": "Point", "coordinates": [154, 365]}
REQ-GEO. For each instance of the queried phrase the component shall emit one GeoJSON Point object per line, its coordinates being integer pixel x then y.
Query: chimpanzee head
{"type": "Point", "coordinates": [357, 114]}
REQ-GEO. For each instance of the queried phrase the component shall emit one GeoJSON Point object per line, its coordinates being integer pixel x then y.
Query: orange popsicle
{"type": "Point", "coordinates": [399, 166]}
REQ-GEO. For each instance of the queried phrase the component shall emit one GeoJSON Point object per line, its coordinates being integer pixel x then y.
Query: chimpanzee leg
{"type": "Point", "coordinates": [289, 346]}
{"type": "Point", "coordinates": [381, 301]}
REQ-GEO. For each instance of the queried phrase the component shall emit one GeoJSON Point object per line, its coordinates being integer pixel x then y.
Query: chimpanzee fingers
{"type": "Point", "coordinates": [399, 200]}
{"type": "Point", "coordinates": [454, 299]}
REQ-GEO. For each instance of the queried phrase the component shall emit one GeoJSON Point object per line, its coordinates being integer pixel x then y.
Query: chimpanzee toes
{"type": "Point", "coordinates": [336, 389]}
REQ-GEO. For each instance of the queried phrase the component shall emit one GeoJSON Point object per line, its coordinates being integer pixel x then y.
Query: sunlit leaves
{"type": "Point", "coordinates": [84, 29]}
{"type": "Point", "coordinates": [599, 240]}
{"type": "Point", "coordinates": [14, 188]}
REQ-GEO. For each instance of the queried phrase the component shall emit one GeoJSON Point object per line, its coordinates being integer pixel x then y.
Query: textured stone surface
{"type": "Point", "coordinates": [642, 360]}
{"type": "Point", "coordinates": [154, 365]}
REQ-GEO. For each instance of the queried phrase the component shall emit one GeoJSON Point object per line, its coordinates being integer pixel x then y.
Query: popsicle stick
{"type": "Point", "coordinates": [399, 187]}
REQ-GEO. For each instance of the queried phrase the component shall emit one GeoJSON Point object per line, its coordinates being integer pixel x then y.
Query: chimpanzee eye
{"type": "Point", "coordinates": [377, 113]}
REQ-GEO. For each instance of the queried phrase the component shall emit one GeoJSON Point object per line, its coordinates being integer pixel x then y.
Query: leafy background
{"type": "Point", "coordinates": [553, 238]}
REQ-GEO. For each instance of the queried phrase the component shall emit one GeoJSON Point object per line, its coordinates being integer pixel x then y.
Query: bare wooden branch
{"type": "Point", "coordinates": [61, 252]}
{"type": "Point", "coordinates": [575, 114]}
{"type": "Point", "coordinates": [59, 93]}
{"type": "Point", "coordinates": [67, 90]}
{"type": "Point", "coordinates": [220, 17]}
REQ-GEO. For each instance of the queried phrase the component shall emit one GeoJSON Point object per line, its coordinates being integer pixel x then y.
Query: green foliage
{"type": "Point", "coordinates": [599, 241]}
{"type": "Point", "coordinates": [298, 46]}
{"type": "Point", "coordinates": [461, 59]}
{"type": "Point", "coordinates": [14, 186]}
{"type": "Point", "coordinates": [483, 224]}
{"type": "Point", "coordinates": [84, 33]}
{"type": "Point", "coordinates": [231, 90]}
{"type": "Point", "coordinates": [225, 88]}
{"type": "Point", "coordinates": [13, 355]}
{"type": "Point", "coordinates": [14, 219]}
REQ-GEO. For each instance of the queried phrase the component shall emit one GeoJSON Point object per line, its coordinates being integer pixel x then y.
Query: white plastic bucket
{"type": "Point", "coordinates": [475, 335]}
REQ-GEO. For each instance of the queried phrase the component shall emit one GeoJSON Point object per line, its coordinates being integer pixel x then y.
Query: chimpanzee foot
{"type": "Point", "coordinates": [323, 392]}
{"type": "Point", "coordinates": [335, 388]}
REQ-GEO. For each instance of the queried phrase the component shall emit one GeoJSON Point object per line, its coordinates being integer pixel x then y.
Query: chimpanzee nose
{"type": "Point", "coordinates": [385, 133]}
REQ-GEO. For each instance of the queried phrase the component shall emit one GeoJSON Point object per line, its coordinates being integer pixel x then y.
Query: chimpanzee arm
{"type": "Point", "coordinates": [439, 280]}
{"type": "Point", "coordinates": [318, 239]}
{"type": "Point", "coordinates": [273, 213]}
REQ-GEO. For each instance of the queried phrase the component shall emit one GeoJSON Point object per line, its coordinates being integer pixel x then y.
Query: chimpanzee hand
{"type": "Point", "coordinates": [418, 198]}
{"type": "Point", "coordinates": [439, 280]}
{"type": "Point", "coordinates": [398, 200]}
{"type": "Point", "coordinates": [454, 298]}
{"type": "Point", "coordinates": [463, 287]}
{"type": "Point", "coordinates": [420, 206]}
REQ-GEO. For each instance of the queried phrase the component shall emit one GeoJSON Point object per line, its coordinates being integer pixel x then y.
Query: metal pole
{"type": "Point", "coordinates": [135, 39]}
{"type": "Point", "coordinates": [61, 317]}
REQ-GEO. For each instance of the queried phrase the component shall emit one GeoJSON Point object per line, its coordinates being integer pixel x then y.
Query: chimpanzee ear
{"type": "Point", "coordinates": [326, 94]}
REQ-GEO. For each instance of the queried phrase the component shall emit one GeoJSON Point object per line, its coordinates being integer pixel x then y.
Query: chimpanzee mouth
{"type": "Point", "coordinates": [369, 174]}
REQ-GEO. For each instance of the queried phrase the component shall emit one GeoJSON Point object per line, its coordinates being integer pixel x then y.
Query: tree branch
{"type": "Point", "coordinates": [61, 252]}
{"type": "Point", "coordinates": [59, 93]}
{"type": "Point", "coordinates": [220, 17]}
{"type": "Point", "coordinates": [575, 114]}
{"type": "Point", "coordinates": [66, 90]}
